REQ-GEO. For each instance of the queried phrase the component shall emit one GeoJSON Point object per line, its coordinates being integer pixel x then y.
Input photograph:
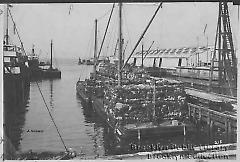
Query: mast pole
{"type": "Point", "coordinates": [95, 49]}
{"type": "Point", "coordinates": [124, 51]}
{"type": "Point", "coordinates": [120, 45]}
{"type": "Point", "coordinates": [142, 55]}
{"type": "Point", "coordinates": [51, 54]}
{"type": "Point", "coordinates": [115, 49]}
{"type": "Point", "coordinates": [7, 41]}
{"type": "Point", "coordinates": [105, 31]}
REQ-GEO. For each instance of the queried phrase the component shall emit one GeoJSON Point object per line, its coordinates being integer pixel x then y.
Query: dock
{"type": "Point", "coordinates": [210, 96]}
{"type": "Point", "coordinates": [225, 120]}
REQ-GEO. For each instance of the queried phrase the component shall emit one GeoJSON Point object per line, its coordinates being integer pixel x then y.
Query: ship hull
{"type": "Point", "coordinates": [151, 131]}
{"type": "Point", "coordinates": [125, 132]}
{"type": "Point", "coordinates": [52, 74]}
{"type": "Point", "coordinates": [98, 107]}
{"type": "Point", "coordinates": [81, 91]}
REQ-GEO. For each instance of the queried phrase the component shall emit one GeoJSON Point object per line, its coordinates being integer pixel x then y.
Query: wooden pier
{"type": "Point", "coordinates": [219, 116]}
{"type": "Point", "coordinates": [212, 118]}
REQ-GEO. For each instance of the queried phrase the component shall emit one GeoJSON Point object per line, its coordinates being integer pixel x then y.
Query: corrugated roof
{"type": "Point", "coordinates": [174, 52]}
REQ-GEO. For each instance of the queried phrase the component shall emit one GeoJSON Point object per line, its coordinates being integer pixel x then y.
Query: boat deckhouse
{"type": "Point", "coordinates": [173, 57]}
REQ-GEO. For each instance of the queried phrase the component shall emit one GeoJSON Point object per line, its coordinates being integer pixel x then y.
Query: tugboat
{"type": "Point", "coordinates": [136, 105]}
{"type": "Point", "coordinates": [34, 65]}
{"type": "Point", "coordinates": [51, 72]}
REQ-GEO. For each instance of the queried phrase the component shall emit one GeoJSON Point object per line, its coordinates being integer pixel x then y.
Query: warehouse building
{"type": "Point", "coordinates": [172, 58]}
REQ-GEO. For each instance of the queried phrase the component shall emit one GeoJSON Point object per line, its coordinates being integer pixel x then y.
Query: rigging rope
{"type": "Point", "coordinates": [112, 37]}
{"type": "Point", "coordinates": [51, 116]}
{"type": "Point", "coordinates": [130, 41]}
{"type": "Point", "coordinates": [160, 5]}
{"type": "Point", "coordinates": [142, 4]}
{"type": "Point", "coordinates": [106, 30]}
{"type": "Point", "coordinates": [88, 48]}
{"type": "Point", "coordinates": [55, 59]}
{"type": "Point", "coordinates": [17, 31]}
{"type": "Point", "coordinates": [38, 86]}
{"type": "Point", "coordinates": [101, 17]}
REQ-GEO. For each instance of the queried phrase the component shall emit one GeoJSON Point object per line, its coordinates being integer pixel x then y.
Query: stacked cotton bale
{"type": "Point", "coordinates": [139, 102]}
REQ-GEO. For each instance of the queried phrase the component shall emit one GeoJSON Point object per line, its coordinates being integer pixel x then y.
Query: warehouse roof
{"type": "Point", "coordinates": [173, 52]}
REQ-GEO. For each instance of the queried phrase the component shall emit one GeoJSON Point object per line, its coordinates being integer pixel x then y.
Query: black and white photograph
{"type": "Point", "coordinates": [119, 80]}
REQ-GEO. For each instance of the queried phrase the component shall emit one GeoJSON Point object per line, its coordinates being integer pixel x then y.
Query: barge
{"type": "Point", "coordinates": [133, 104]}
{"type": "Point", "coordinates": [141, 108]}
{"type": "Point", "coordinates": [51, 72]}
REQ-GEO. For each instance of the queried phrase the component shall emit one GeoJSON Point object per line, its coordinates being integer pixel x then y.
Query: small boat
{"type": "Point", "coordinates": [51, 72]}
{"type": "Point", "coordinates": [85, 61]}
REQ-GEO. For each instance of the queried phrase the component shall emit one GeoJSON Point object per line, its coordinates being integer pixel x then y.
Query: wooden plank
{"type": "Point", "coordinates": [225, 121]}
{"type": "Point", "coordinates": [208, 96]}
{"type": "Point", "coordinates": [213, 111]}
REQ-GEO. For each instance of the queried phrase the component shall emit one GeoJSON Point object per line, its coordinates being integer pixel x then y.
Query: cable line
{"type": "Point", "coordinates": [160, 5]}
{"type": "Point", "coordinates": [101, 17]}
{"type": "Point", "coordinates": [51, 117]}
{"type": "Point", "coordinates": [106, 30]}
{"type": "Point", "coordinates": [17, 31]}
{"type": "Point", "coordinates": [38, 86]}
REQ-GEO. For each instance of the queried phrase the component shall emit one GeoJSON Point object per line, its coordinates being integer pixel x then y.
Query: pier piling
{"type": "Point", "coordinates": [213, 118]}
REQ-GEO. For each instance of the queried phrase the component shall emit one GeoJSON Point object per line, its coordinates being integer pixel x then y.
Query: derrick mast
{"type": "Point", "coordinates": [224, 57]}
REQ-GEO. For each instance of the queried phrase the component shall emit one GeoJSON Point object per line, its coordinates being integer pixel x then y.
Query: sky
{"type": "Point", "coordinates": [71, 26]}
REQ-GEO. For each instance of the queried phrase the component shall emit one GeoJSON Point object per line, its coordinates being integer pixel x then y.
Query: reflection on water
{"type": "Point", "coordinates": [51, 94]}
{"type": "Point", "coordinates": [14, 119]}
{"type": "Point", "coordinates": [81, 129]}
